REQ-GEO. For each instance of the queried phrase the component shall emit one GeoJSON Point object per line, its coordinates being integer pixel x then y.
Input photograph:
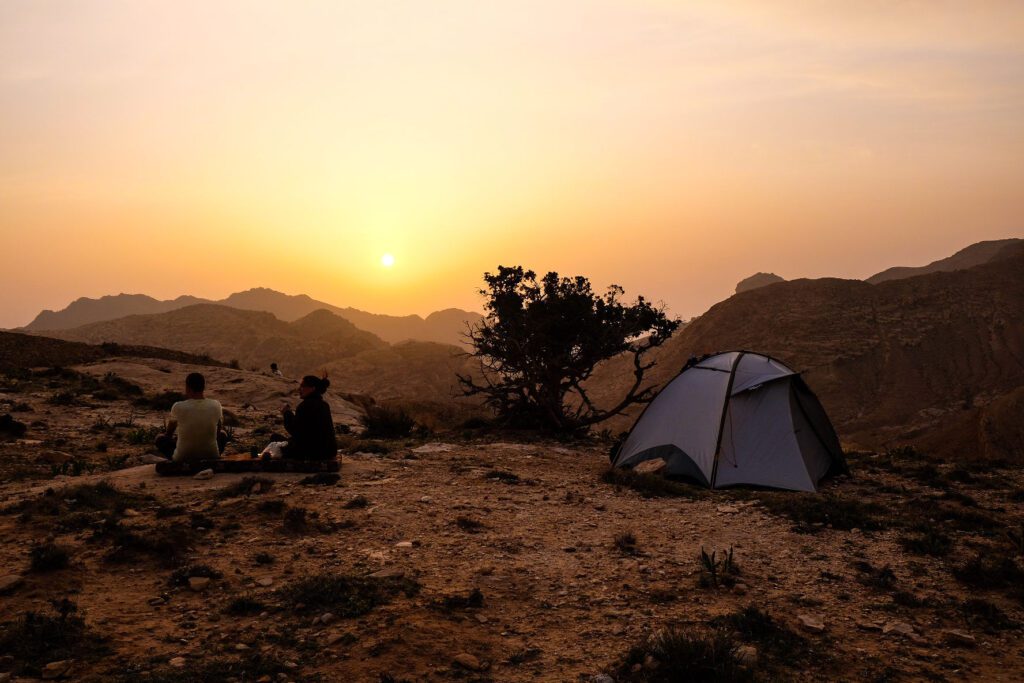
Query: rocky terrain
{"type": "Point", "coordinates": [968, 257]}
{"type": "Point", "coordinates": [935, 360]}
{"type": "Point", "coordinates": [757, 280]}
{"type": "Point", "coordinates": [475, 556]}
{"type": "Point", "coordinates": [445, 326]}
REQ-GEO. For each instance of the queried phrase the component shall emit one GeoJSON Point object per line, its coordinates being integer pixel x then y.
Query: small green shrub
{"type": "Point", "coordinates": [34, 639]}
{"type": "Point", "coordinates": [812, 511]}
{"type": "Point", "coordinates": [469, 524]}
{"type": "Point", "coordinates": [772, 637]}
{"type": "Point", "coordinates": [142, 436]}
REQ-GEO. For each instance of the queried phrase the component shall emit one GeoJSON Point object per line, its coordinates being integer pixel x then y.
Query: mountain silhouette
{"type": "Point", "coordinates": [445, 326]}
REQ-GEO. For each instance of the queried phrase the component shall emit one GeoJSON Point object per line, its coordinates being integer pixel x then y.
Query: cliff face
{"type": "Point", "coordinates": [930, 359]}
{"type": "Point", "coordinates": [968, 257]}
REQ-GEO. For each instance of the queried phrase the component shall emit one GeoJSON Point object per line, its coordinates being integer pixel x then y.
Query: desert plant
{"type": "Point", "coordinates": [48, 557]}
{"type": "Point", "coordinates": [626, 544]}
{"type": "Point", "coordinates": [469, 524]}
{"type": "Point", "coordinates": [928, 541]}
{"type": "Point", "coordinates": [773, 637]}
{"type": "Point", "coordinates": [142, 436]}
{"type": "Point", "coordinates": [650, 485]}
{"type": "Point", "coordinates": [813, 511]}
{"type": "Point", "coordinates": [717, 571]}
{"type": "Point", "coordinates": [383, 422]}
{"type": "Point", "coordinates": [245, 605]}
{"type": "Point", "coordinates": [540, 341]}
{"type": "Point", "coordinates": [680, 654]}
{"type": "Point", "coordinates": [987, 615]}
{"type": "Point", "coordinates": [181, 575]}
{"type": "Point", "coordinates": [358, 502]}
{"type": "Point", "coordinates": [989, 570]}
{"type": "Point", "coordinates": [345, 595]}
{"type": "Point", "coordinates": [35, 639]}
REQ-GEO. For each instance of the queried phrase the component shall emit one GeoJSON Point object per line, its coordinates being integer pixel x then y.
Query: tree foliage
{"type": "Point", "coordinates": [541, 340]}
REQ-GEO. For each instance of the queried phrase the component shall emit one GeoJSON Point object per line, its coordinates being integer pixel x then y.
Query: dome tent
{"type": "Point", "coordinates": [737, 418]}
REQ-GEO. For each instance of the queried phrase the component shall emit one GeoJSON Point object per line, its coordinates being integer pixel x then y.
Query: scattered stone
{"type": "Point", "coordinates": [746, 655]}
{"type": "Point", "coordinates": [9, 582]}
{"type": "Point", "coordinates": [128, 512]}
{"type": "Point", "coordinates": [481, 618]}
{"type": "Point", "coordinates": [727, 509]}
{"type": "Point", "coordinates": [601, 678]}
{"type": "Point", "coordinates": [873, 626]}
{"type": "Point", "coordinates": [178, 662]}
{"type": "Point", "coordinates": [740, 589]}
{"type": "Point", "coordinates": [654, 466]}
{"type": "Point", "coordinates": [241, 647]}
{"type": "Point", "coordinates": [205, 474]}
{"type": "Point", "coordinates": [150, 459]}
{"type": "Point", "coordinates": [961, 638]}
{"type": "Point", "coordinates": [811, 622]}
{"type": "Point", "coordinates": [427, 499]}
{"type": "Point", "coordinates": [404, 544]}
{"type": "Point", "coordinates": [468, 661]}
{"type": "Point", "coordinates": [434, 448]}
{"type": "Point", "coordinates": [198, 583]}
{"type": "Point", "coordinates": [390, 573]}
{"type": "Point", "coordinates": [326, 618]}
{"type": "Point", "coordinates": [159, 600]}
{"type": "Point", "coordinates": [901, 628]}
{"type": "Point", "coordinates": [265, 582]}
{"type": "Point", "coordinates": [55, 670]}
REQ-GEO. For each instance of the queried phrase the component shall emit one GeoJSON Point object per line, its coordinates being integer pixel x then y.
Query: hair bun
{"type": "Point", "coordinates": [324, 383]}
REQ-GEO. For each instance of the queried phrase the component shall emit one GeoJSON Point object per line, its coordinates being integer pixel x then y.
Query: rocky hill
{"type": "Point", "coordinates": [20, 352]}
{"type": "Point", "coordinates": [968, 257]}
{"type": "Point", "coordinates": [444, 326]}
{"type": "Point", "coordinates": [253, 338]}
{"type": "Point", "coordinates": [936, 359]}
{"type": "Point", "coordinates": [757, 280]}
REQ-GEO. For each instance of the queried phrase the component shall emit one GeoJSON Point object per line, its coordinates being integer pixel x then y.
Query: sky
{"type": "Point", "coordinates": [673, 148]}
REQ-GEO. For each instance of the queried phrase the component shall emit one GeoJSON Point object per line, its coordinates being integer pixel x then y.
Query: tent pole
{"type": "Point", "coordinates": [721, 422]}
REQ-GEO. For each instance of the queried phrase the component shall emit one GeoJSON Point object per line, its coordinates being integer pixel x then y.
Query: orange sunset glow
{"type": "Point", "coordinates": [383, 155]}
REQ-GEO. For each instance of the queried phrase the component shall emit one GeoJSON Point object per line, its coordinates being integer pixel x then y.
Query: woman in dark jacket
{"type": "Point", "coordinates": [311, 427]}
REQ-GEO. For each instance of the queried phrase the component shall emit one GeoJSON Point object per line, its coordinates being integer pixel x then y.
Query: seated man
{"type": "Point", "coordinates": [198, 422]}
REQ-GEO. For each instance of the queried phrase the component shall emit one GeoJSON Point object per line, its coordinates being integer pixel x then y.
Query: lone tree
{"type": "Point", "coordinates": [541, 340]}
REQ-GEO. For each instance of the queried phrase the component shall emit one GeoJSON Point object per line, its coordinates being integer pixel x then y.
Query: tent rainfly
{"type": "Point", "coordinates": [737, 418]}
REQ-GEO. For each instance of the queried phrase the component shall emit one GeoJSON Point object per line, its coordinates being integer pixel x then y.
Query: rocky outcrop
{"type": "Point", "coordinates": [757, 280]}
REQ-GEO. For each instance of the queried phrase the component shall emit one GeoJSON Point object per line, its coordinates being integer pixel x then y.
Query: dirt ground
{"type": "Point", "coordinates": [516, 557]}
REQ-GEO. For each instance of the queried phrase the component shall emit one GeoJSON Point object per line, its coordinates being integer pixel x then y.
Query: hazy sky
{"type": "Point", "coordinates": [670, 147]}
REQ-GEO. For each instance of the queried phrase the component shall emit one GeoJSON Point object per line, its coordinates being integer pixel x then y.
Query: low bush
{"type": "Point", "coordinates": [928, 541]}
{"type": "Point", "coordinates": [383, 422]}
{"type": "Point", "coordinates": [162, 401]}
{"type": "Point", "coordinates": [33, 639]}
{"type": "Point", "coordinates": [245, 605]}
{"type": "Point", "coordinates": [71, 506]}
{"type": "Point", "coordinates": [142, 436]}
{"type": "Point", "coordinates": [181, 575]}
{"type": "Point", "coordinates": [250, 668]}
{"type": "Point", "coordinates": [772, 637]}
{"type": "Point", "coordinates": [345, 595]}
{"type": "Point", "coordinates": [49, 557]}
{"type": "Point", "coordinates": [813, 511]}
{"type": "Point", "coordinates": [167, 545]}
{"type": "Point", "coordinates": [626, 544]}
{"type": "Point", "coordinates": [650, 485]}
{"type": "Point", "coordinates": [357, 503]}
{"type": "Point", "coordinates": [983, 613]}
{"type": "Point", "coordinates": [12, 428]}
{"type": "Point", "coordinates": [989, 570]}
{"type": "Point", "coordinates": [680, 654]}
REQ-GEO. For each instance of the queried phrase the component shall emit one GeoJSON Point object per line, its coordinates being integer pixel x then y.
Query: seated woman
{"type": "Point", "coordinates": [310, 427]}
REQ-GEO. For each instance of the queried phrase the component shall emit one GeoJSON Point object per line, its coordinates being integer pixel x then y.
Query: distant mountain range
{"type": "Point", "coordinates": [253, 338]}
{"type": "Point", "coordinates": [936, 359]}
{"type": "Point", "coordinates": [445, 326]}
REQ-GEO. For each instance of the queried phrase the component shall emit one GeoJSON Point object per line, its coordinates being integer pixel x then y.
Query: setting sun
{"type": "Point", "coordinates": [387, 260]}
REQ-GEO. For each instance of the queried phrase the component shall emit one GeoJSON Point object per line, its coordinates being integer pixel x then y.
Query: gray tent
{"type": "Point", "coordinates": [737, 418]}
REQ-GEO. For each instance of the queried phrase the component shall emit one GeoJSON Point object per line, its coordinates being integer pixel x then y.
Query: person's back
{"type": "Point", "coordinates": [197, 420]}
{"type": "Point", "coordinates": [311, 426]}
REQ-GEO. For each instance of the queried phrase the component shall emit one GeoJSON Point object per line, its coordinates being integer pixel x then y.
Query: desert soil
{"type": "Point", "coordinates": [531, 526]}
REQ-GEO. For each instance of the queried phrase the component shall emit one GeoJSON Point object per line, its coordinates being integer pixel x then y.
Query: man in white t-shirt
{"type": "Point", "coordinates": [197, 421]}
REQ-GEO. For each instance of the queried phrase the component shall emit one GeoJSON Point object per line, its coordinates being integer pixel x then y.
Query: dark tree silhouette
{"type": "Point", "coordinates": [540, 341]}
